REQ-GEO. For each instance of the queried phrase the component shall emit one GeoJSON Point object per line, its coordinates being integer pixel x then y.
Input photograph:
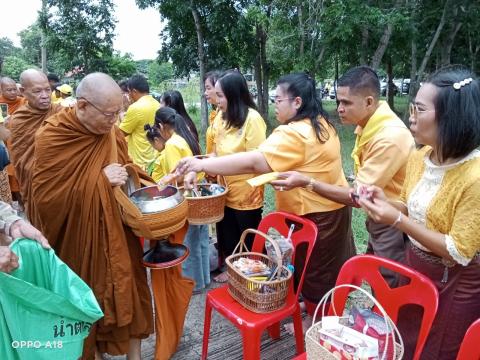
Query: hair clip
{"type": "Point", "coordinates": [462, 83]}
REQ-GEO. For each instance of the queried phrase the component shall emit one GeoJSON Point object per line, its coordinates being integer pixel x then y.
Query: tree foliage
{"type": "Point", "coordinates": [80, 32]}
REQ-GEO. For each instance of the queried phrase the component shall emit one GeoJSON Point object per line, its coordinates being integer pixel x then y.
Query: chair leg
{"type": "Point", "coordinates": [251, 344]}
{"type": "Point", "coordinates": [206, 328]}
{"type": "Point", "coordinates": [274, 331]}
{"type": "Point", "coordinates": [298, 328]}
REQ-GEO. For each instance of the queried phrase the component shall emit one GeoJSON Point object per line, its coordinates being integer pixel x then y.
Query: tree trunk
{"type": "Point", "coordinates": [301, 29]}
{"type": "Point", "coordinates": [201, 61]}
{"type": "Point", "coordinates": [412, 90]}
{"type": "Point", "coordinates": [364, 47]}
{"type": "Point", "coordinates": [448, 43]}
{"type": "Point", "coordinates": [473, 53]}
{"type": "Point", "coordinates": [261, 71]}
{"type": "Point", "coordinates": [390, 85]}
{"type": "Point", "coordinates": [383, 44]}
{"type": "Point", "coordinates": [428, 53]}
{"type": "Point", "coordinates": [43, 40]}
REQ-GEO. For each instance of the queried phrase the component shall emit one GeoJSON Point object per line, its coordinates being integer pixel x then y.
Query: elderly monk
{"type": "Point", "coordinates": [10, 95]}
{"type": "Point", "coordinates": [25, 123]}
{"type": "Point", "coordinates": [78, 159]}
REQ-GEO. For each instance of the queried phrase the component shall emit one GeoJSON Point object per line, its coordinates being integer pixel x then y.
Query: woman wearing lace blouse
{"type": "Point", "coordinates": [440, 207]}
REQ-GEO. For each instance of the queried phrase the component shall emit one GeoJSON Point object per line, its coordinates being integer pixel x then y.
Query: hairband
{"type": "Point", "coordinates": [462, 83]}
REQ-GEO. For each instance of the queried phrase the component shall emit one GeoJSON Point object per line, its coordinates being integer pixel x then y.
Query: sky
{"type": "Point", "coordinates": [137, 30]}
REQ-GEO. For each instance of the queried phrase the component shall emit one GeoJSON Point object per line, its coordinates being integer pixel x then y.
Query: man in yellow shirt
{"type": "Point", "coordinates": [382, 147]}
{"type": "Point", "coordinates": [54, 81]}
{"type": "Point", "coordinates": [140, 113]}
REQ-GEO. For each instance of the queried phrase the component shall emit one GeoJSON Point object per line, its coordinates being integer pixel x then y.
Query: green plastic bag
{"type": "Point", "coordinates": [46, 310]}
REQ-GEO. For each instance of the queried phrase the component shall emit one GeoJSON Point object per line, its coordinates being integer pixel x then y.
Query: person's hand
{"type": "Point", "coordinates": [289, 180]}
{"type": "Point", "coordinates": [190, 180]}
{"type": "Point", "coordinates": [116, 174]}
{"type": "Point", "coordinates": [8, 259]}
{"type": "Point", "coordinates": [372, 192]}
{"type": "Point", "coordinates": [167, 179]}
{"type": "Point", "coordinates": [379, 210]}
{"type": "Point", "coordinates": [187, 165]}
{"type": "Point", "coordinates": [23, 229]}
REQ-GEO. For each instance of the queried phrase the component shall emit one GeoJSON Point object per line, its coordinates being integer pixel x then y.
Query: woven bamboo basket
{"type": "Point", "coordinates": [317, 351]}
{"type": "Point", "coordinates": [207, 209]}
{"type": "Point", "coordinates": [154, 225]}
{"type": "Point", "coordinates": [249, 292]}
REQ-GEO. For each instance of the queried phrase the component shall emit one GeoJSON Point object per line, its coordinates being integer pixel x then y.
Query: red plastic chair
{"type": "Point", "coordinates": [420, 291]}
{"type": "Point", "coordinates": [250, 324]}
{"type": "Point", "coordinates": [470, 349]}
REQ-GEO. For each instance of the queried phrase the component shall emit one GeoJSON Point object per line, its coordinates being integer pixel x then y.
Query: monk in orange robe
{"type": "Point", "coordinates": [78, 160]}
{"type": "Point", "coordinates": [24, 123]}
{"type": "Point", "coordinates": [10, 97]}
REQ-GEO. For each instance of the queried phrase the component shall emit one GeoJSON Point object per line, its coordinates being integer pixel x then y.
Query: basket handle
{"type": "Point", "coordinates": [388, 322]}
{"type": "Point", "coordinates": [241, 246]}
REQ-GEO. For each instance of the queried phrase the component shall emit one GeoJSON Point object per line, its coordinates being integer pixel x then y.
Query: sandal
{"type": "Point", "coordinates": [221, 278]}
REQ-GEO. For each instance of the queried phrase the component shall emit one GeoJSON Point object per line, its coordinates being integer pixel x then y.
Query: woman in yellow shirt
{"type": "Point", "coordinates": [306, 142]}
{"type": "Point", "coordinates": [179, 143]}
{"type": "Point", "coordinates": [440, 205]}
{"type": "Point", "coordinates": [174, 100]}
{"type": "Point", "coordinates": [210, 80]}
{"type": "Point", "coordinates": [238, 128]}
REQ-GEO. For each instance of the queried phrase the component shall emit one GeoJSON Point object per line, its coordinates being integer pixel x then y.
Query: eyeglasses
{"type": "Point", "coordinates": [279, 100]}
{"type": "Point", "coordinates": [414, 110]}
{"type": "Point", "coordinates": [104, 113]}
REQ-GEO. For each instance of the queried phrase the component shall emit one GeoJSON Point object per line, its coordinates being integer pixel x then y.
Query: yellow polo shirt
{"type": "Point", "coordinates": [383, 159]}
{"type": "Point", "coordinates": [295, 147]}
{"type": "Point", "coordinates": [176, 148]}
{"type": "Point", "coordinates": [140, 113]}
{"type": "Point", "coordinates": [241, 195]}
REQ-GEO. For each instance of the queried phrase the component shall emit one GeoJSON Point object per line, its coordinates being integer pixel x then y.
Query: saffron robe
{"type": "Point", "coordinates": [23, 126]}
{"type": "Point", "coordinates": [75, 208]}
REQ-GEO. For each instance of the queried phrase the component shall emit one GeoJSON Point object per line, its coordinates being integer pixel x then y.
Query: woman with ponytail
{"type": "Point", "coordinates": [174, 99]}
{"type": "Point", "coordinates": [180, 143]}
{"type": "Point", "coordinates": [306, 142]}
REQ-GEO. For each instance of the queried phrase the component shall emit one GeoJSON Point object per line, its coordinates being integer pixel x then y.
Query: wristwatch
{"type": "Point", "coordinates": [309, 186]}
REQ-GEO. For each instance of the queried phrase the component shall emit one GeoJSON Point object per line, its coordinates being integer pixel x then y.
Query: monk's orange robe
{"type": "Point", "coordinates": [171, 294]}
{"type": "Point", "coordinates": [23, 126]}
{"type": "Point", "coordinates": [13, 106]}
{"type": "Point", "coordinates": [74, 206]}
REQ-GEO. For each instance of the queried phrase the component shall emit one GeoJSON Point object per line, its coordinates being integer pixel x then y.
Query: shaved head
{"type": "Point", "coordinates": [7, 81]}
{"type": "Point", "coordinates": [35, 88]}
{"type": "Point", "coordinates": [100, 101]}
{"type": "Point", "coordinates": [99, 86]}
{"type": "Point", "coordinates": [9, 88]}
{"type": "Point", "coordinates": [30, 76]}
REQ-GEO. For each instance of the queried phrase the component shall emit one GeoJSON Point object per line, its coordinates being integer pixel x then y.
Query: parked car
{"type": "Point", "coordinates": [271, 95]}
{"type": "Point", "coordinates": [383, 88]}
{"type": "Point", "coordinates": [406, 86]}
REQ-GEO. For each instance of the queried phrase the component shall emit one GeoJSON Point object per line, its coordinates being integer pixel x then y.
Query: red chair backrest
{"type": "Point", "coordinates": [281, 221]}
{"type": "Point", "coordinates": [420, 291]}
{"type": "Point", "coordinates": [470, 347]}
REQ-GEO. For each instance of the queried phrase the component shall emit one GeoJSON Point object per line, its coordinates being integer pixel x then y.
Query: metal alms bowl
{"type": "Point", "coordinates": [153, 199]}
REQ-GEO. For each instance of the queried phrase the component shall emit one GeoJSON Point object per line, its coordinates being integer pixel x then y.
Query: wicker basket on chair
{"type": "Point", "coordinates": [252, 293]}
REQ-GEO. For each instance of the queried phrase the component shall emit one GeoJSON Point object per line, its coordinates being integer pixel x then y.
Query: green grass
{"type": "Point", "coordinates": [347, 139]}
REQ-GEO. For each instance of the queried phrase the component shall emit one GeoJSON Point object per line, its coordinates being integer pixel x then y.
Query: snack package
{"type": "Point", "coordinates": [372, 324]}
{"type": "Point", "coordinates": [262, 179]}
{"type": "Point", "coordinates": [347, 342]}
{"type": "Point", "coordinates": [251, 267]}
{"type": "Point", "coordinates": [285, 245]}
